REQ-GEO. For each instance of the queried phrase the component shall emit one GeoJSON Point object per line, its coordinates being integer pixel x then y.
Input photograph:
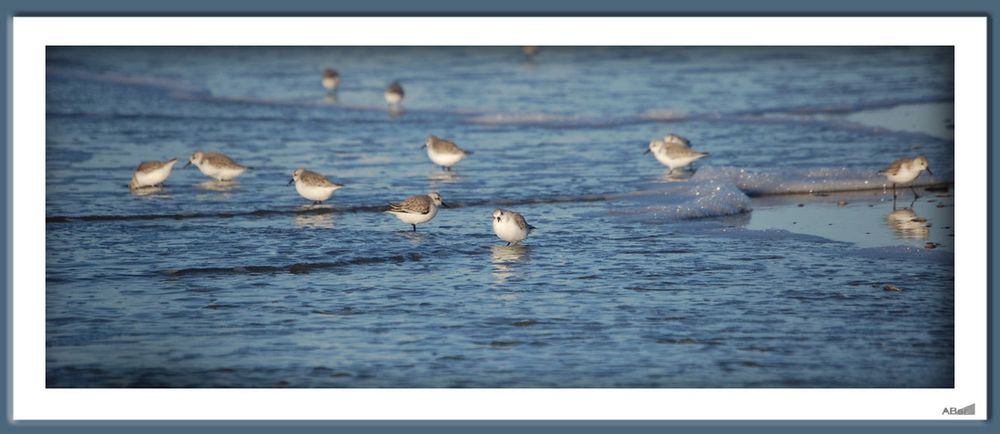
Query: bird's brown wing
{"type": "Point", "coordinates": [420, 204]}
{"type": "Point", "coordinates": [148, 166]}
{"type": "Point", "coordinates": [676, 150]}
{"type": "Point", "coordinates": [313, 178]}
{"type": "Point", "coordinates": [442, 145]}
{"type": "Point", "coordinates": [519, 219]}
{"type": "Point", "coordinates": [894, 167]}
{"type": "Point", "coordinates": [221, 160]}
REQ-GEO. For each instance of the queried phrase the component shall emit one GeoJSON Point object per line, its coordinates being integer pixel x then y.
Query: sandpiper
{"type": "Point", "coordinates": [510, 226]}
{"type": "Point", "coordinates": [313, 186]}
{"type": "Point", "coordinates": [215, 165]}
{"type": "Point", "coordinates": [674, 138]}
{"type": "Point", "coordinates": [530, 51]}
{"type": "Point", "coordinates": [394, 94]}
{"type": "Point", "coordinates": [904, 171]}
{"type": "Point", "coordinates": [151, 174]}
{"type": "Point", "coordinates": [443, 152]}
{"type": "Point", "coordinates": [417, 209]}
{"type": "Point", "coordinates": [674, 152]}
{"type": "Point", "coordinates": [331, 78]}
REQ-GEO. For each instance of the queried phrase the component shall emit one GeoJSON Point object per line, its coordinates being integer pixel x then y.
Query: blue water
{"type": "Point", "coordinates": [632, 279]}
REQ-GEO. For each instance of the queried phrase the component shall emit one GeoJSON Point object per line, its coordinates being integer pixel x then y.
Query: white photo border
{"type": "Point", "coordinates": [32, 401]}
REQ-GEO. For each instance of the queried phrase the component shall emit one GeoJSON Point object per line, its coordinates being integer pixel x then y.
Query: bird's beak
{"type": "Point", "coordinates": [929, 171]}
{"type": "Point", "coordinates": [186, 165]}
{"type": "Point", "coordinates": [291, 181]}
{"type": "Point", "coordinates": [444, 205]}
{"type": "Point", "coordinates": [647, 151]}
{"type": "Point", "coordinates": [423, 146]}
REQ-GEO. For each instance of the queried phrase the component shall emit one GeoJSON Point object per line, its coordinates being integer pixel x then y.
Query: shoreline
{"type": "Point", "coordinates": [862, 218]}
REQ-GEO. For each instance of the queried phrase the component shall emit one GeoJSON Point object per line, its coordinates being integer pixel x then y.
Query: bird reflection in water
{"type": "Point", "coordinates": [218, 185]}
{"type": "Point", "coordinates": [444, 177]}
{"type": "Point", "coordinates": [505, 258]}
{"type": "Point", "coordinates": [314, 216]}
{"type": "Point", "coordinates": [146, 191]}
{"type": "Point", "coordinates": [906, 224]}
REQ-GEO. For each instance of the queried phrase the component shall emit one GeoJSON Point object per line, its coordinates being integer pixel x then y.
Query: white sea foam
{"type": "Point", "coordinates": [812, 180]}
{"type": "Point", "coordinates": [663, 115]}
{"type": "Point", "coordinates": [519, 119]}
{"type": "Point", "coordinates": [683, 201]}
{"type": "Point", "coordinates": [725, 191]}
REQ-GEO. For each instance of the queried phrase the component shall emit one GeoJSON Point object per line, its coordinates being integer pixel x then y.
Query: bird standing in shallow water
{"type": "Point", "coordinates": [151, 174]}
{"type": "Point", "coordinates": [216, 165]}
{"type": "Point", "coordinates": [313, 186]}
{"type": "Point", "coordinates": [394, 95]}
{"type": "Point", "coordinates": [417, 209]}
{"type": "Point", "coordinates": [674, 152]}
{"type": "Point", "coordinates": [510, 226]}
{"type": "Point", "coordinates": [443, 152]}
{"type": "Point", "coordinates": [530, 51]}
{"type": "Point", "coordinates": [904, 171]}
{"type": "Point", "coordinates": [331, 78]}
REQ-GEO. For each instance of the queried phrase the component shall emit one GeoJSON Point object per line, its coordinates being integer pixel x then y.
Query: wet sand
{"type": "Point", "coordinates": [866, 218]}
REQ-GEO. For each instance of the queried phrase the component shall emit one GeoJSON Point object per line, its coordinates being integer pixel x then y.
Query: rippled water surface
{"type": "Point", "coordinates": [763, 268]}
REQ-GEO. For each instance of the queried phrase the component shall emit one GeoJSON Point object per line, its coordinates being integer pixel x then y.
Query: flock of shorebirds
{"type": "Point", "coordinates": [672, 151]}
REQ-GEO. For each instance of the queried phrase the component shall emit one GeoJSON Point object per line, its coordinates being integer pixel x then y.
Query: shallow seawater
{"type": "Point", "coordinates": [633, 278]}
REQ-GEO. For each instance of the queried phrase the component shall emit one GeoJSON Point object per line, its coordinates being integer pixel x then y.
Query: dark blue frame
{"type": "Point", "coordinates": [12, 8]}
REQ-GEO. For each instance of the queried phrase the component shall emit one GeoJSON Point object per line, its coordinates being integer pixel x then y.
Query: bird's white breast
{"type": "Point", "coordinates": [330, 83]}
{"type": "Point", "coordinates": [903, 175]}
{"type": "Point", "coordinates": [414, 218]}
{"type": "Point", "coordinates": [672, 163]}
{"type": "Point", "coordinates": [393, 97]}
{"type": "Point", "coordinates": [220, 173]}
{"type": "Point", "coordinates": [443, 158]}
{"type": "Point", "coordinates": [153, 177]}
{"type": "Point", "coordinates": [314, 192]}
{"type": "Point", "coordinates": [509, 231]}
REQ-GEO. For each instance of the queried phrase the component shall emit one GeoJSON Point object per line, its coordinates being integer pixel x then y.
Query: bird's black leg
{"type": "Point", "coordinates": [915, 195]}
{"type": "Point", "coordinates": [508, 244]}
{"type": "Point", "coordinates": [893, 191]}
{"type": "Point", "coordinates": [414, 227]}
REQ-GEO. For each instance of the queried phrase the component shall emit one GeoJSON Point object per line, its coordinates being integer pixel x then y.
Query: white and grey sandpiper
{"type": "Point", "coordinates": [417, 209]}
{"type": "Point", "coordinates": [313, 186]}
{"type": "Point", "coordinates": [444, 153]}
{"type": "Point", "coordinates": [331, 78]}
{"type": "Point", "coordinates": [530, 51]}
{"type": "Point", "coordinates": [394, 94]}
{"type": "Point", "coordinates": [216, 165]}
{"type": "Point", "coordinates": [674, 151]}
{"type": "Point", "coordinates": [510, 226]}
{"type": "Point", "coordinates": [151, 174]}
{"type": "Point", "coordinates": [904, 171]}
